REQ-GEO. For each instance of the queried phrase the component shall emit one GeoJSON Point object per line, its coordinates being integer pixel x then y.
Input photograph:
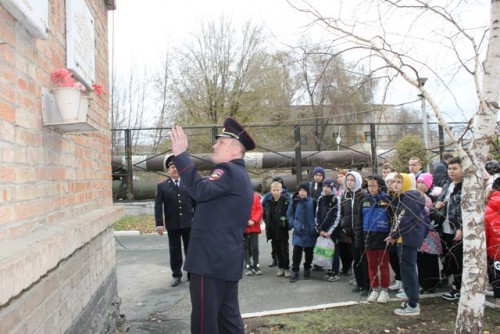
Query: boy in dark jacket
{"type": "Point", "coordinates": [264, 200]}
{"type": "Point", "coordinates": [376, 221]}
{"type": "Point", "coordinates": [277, 227]}
{"type": "Point", "coordinates": [409, 229]}
{"type": "Point", "coordinates": [451, 229]}
{"type": "Point", "coordinates": [328, 218]}
{"type": "Point", "coordinates": [301, 217]}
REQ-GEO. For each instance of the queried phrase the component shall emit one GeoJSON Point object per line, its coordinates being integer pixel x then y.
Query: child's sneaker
{"type": "Point", "coordinates": [372, 298]}
{"type": "Point", "coordinates": [294, 277]}
{"type": "Point", "coordinates": [407, 310]}
{"type": "Point", "coordinates": [307, 273]}
{"type": "Point", "coordinates": [383, 297]}
{"type": "Point", "coordinates": [249, 271]}
{"type": "Point", "coordinates": [256, 270]}
{"type": "Point", "coordinates": [395, 286]}
{"type": "Point", "coordinates": [280, 273]}
{"type": "Point", "coordinates": [402, 295]}
{"type": "Point", "coordinates": [334, 278]}
{"type": "Point", "coordinates": [451, 295]}
{"type": "Point", "coordinates": [288, 273]}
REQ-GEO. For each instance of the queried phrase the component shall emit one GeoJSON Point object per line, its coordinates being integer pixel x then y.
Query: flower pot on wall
{"type": "Point", "coordinates": [71, 104]}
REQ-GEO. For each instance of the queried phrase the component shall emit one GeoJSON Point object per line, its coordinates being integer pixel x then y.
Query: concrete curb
{"type": "Point", "coordinates": [118, 233]}
{"type": "Point", "coordinates": [322, 307]}
{"type": "Point", "coordinates": [297, 309]}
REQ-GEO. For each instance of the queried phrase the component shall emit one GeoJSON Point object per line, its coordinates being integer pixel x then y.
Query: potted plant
{"type": "Point", "coordinates": [71, 96]}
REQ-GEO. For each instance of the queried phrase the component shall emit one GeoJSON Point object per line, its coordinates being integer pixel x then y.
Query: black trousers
{"type": "Point", "coordinates": [215, 307]}
{"type": "Point", "coordinates": [361, 268]}
{"type": "Point", "coordinates": [428, 270]}
{"type": "Point", "coordinates": [282, 253]}
{"type": "Point", "coordinates": [394, 261]}
{"type": "Point", "coordinates": [251, 249]}
{"type": "Point", "coordinates": [452, 258]}
{"type": "Point", "coordinates": [297, 257]}
{"type": "Point", "coordinates": [345, 250]}
{"type": "Point", "coordinates": [175, 237]}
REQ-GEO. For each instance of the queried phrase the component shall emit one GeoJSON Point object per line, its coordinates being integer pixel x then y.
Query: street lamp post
{"type": "Point", "coordinates": [421, 82]}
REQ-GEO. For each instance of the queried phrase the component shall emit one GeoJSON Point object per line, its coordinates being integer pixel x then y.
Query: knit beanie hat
{"type": "Point", "coordinates": [426, 178]}
{"type": "Point", "coordinates": [303, 185]}
{"type": "Point", "coordinates": [329, 182]}
{"type": "Point", "coordinates": [390, 176]}
{"type": "Point", "coordinates": [318, 170]}
{"type": "Point", "coordinates": [278, 179]}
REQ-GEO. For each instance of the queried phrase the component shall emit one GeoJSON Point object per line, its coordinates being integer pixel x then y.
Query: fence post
{"type": "Point", "coordinates": [441, 141]}
{"type": "Point", "coordinates": [298, 153]}
{"type": "Point", "coordinates": [373, 142]}
{"type": "Point", "coordinates": [128, 156]}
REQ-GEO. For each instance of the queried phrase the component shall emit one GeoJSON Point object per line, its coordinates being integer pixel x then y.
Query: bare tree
{"type": "Point", "coordinates": [333, 92]}
{"type": "Point", "coordinates": [166, 103]}
{"type": "Point", "coordinates": [129, 109]}
{"type": "Point", "coordinates": [390, 52]}
{"type": "Point", "coordinates": [216, 72]}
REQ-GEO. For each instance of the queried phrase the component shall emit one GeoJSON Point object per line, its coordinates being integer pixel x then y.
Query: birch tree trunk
{"type": "Point", "coordinates": [471, 305]}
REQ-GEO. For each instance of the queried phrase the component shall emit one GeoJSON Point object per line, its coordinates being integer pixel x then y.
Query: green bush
{"type": "Point", "coordinates": [407, 147]}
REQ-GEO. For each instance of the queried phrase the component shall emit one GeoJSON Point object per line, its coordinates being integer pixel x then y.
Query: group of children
{"type": "Point", "coordinates": [393, 220]}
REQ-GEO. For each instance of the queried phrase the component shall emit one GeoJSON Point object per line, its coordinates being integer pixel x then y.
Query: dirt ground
{"type": "Point", "coordinates": [437, 316]}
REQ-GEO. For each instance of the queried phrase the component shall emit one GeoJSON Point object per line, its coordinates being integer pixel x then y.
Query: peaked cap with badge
{"type": "Point", "coordinates": [169, 161]}
{"type": "Point", "coordinates": [233, 129]}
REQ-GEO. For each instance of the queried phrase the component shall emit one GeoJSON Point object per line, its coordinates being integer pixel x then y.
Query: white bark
{"type": "Point", "coordinates": [471, 306]}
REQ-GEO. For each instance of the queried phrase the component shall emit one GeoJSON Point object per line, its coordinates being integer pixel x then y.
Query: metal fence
{"type": "Point", "coordinates": [285, 150]}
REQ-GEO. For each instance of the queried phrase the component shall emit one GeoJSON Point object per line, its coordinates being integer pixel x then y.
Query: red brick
{"type": "Point", "coordinates": [7, 112]}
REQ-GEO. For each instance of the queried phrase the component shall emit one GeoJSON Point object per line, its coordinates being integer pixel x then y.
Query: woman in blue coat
{"type": "Point", "coordinates": [300, 216]}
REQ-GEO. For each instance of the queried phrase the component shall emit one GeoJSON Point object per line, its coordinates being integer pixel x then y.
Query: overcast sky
{"type": "Point", "coordinates": [141, 32]}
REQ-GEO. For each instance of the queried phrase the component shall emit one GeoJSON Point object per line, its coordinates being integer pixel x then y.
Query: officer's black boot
{"type": "Point", "coordinates": [295, 277]}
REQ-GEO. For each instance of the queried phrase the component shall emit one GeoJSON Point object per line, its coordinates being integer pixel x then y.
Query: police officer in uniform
{"type": "Point", "coordinates": [178, 208]}
{"type": "Point", "coordinates": [224, 202]}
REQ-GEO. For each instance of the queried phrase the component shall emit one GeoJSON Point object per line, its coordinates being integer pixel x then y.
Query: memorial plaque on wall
{"type": "Point", "coordinates": [80, 39]}
{"type": "Point", "coordinates": [32, 14]}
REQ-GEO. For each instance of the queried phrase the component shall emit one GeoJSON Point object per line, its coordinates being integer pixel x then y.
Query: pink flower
{"type": "Point", "coordinates": [80, 86]}
{"type": "Point", "coordinates": [98, 88]}
{"type": "Point", "coordinates": [63, 77]}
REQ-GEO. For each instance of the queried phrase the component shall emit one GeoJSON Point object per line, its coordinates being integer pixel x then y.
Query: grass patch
{"type": "Point", "coordinates": [143, 224]}
{"type": "Point", "coordinates": [437, 316]}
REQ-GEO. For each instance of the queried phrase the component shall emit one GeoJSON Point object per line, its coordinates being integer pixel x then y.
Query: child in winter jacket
{"type": "Point", "coordinates": [349, 220]}
{"type": "Point", "coordinates": [409, 228]}
{"type": "Point", "coordinates": [327, 219]}
{"type": "Point", "coordinates": [449, 202]}
{"type": "Point", "coordinates": [428, 254]}
{"type": "Point", "coordinates": [301, 217]}
{"type": "Point", "coordinates": [252, 238]}
{"type": "Point", "coordinates": [375, 217]}
{"type": "Point", "coordinates": [275, 211]}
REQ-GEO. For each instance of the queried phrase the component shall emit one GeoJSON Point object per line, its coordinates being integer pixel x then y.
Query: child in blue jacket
{"type": "Point", "coordinates": [376, 221]}
{"type": "Point", "coordinates": [301, 217]}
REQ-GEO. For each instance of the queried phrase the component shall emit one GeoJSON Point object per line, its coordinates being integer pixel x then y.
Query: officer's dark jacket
{"type": "Point", "coordinates": [223, 205]}
{"type": "Point", "coordinates": [175, 204]}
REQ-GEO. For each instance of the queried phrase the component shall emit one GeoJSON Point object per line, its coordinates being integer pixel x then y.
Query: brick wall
{"type": "Point", "coordinates": [56, 210]}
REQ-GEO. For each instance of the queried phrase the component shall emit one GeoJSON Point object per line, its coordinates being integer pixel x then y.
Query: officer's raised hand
{"type": "Point", "coordinates": [179, 140]}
